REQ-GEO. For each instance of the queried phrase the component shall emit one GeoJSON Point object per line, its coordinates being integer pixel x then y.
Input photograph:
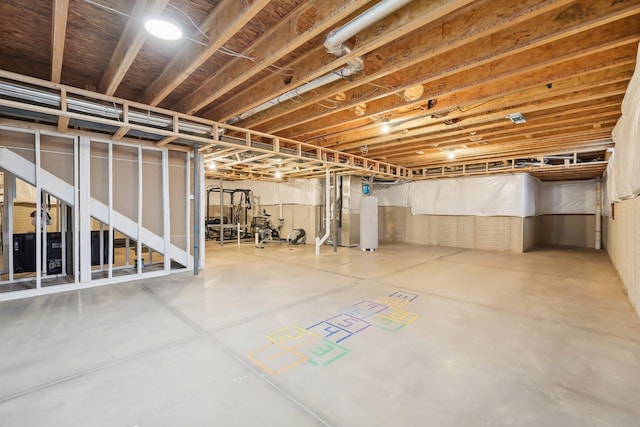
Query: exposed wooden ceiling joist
{"type": "Point", "coordinates": [444, 73]}
{"type": "Point", "coordinates": [279, 41]}
{"type": "Point", "coordinates": [435, 72]}
{"type": "Point", "coordinates": [58, 31]}
{"type": "Point", "coordinates": [318, 62]}
{"type": "Point", "coordinates": [221, 24]}
{"type": "Point", "coordinates": [132, 39]}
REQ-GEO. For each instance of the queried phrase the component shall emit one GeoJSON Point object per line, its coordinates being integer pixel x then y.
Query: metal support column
{"type": "Point", "coordinates": [196, 211]}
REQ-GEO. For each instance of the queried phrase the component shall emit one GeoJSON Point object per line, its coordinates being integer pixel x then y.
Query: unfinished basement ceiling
{"type": "Point", "coordinates": [448, 78]}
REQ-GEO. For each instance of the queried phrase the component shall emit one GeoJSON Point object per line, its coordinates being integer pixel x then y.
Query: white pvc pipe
{"type": "Point", "coordinates": [598, 244]}
{"type": "Point", "coordinates": [336, 38]}
{"type": "Point", "coordinates": [327, 219]}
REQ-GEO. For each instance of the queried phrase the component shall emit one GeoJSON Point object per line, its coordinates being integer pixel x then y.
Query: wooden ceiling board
{"type": "Point", "coordinates": [25, 32]}
{"type": "Point", "coordinates": [445, 73]}
{"type": "Point", "coordinates": [241, 43]}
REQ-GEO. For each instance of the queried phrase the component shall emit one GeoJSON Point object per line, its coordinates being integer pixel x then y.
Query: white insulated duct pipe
{"type": "Point", "coordinates": [327, 209]}
{"type": "Point", "coordinates": [354, 67]}
{"type": "Point", "coordinates": [598, 244]}
{"type": "Point", "coordinates": [307, 87]}
{"type": "Point", "coordinates": [335, 39]}
{"type": "Point", "coordinates": [335, 46]}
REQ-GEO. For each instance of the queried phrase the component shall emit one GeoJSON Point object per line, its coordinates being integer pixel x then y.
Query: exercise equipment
{"type": "Point", "coordinates": [266, 232]}
{"type": "Point", "coordinates": [238, 212]}
{"type": "Point", "coordinates": [261, 225]}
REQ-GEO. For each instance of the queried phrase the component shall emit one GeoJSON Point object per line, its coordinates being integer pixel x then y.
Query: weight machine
{"type": "Point", "coordinates": [237, 223]}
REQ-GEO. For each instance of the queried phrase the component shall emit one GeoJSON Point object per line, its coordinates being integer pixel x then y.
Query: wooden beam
{"type": "Point", "coordinates": [487, 131]}
{"type": "Point", "coordinates": [436, 62]}
{"type": "Point", "coordinates": [120, 133]}
{"type": "Point", "coordinates": [227, 19]}
{"type": "Point", "coordinates": [280, 40]}
{"type": "Point", "coordinates": [587, 86]}
{"type": "Point", "coordinates": [431, 40]}
{"type": "Point", "coordinates": [451, 98]}
{"type": "Point", "coordinates": [58, 32]}
{"type": "Point", "coordinates": [166, 140]}
{"type": "Point", "coordinates": [132, 39]}
{"type": "Point", "coordinates": [416, 14]}
{"type": "Point", "coordinates": [63, 120]}
{"type": "Point", "coordinates": [454, 98]}
{"type": "Point", "coordinates": [474, 136]}
{"type": "Point", "coordinates": [574, 133]}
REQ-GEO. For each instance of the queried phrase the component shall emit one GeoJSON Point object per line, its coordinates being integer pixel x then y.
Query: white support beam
{"type": "Point", "coordinates": [110, 219]}
{"type": "Point", "coordinates": [39, 216]}
{"type": "Point", "coordinates": [84, 190]}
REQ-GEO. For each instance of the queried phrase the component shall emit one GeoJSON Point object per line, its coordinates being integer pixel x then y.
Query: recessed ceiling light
{"type": "Point", "coordinates": [278, 174]}
{"type": "Point", "coordinates": [451, 154]}
{"type": "Point", "coordinates": [212, 166]}
{"type": "Point", "coordinates": [162, 28]}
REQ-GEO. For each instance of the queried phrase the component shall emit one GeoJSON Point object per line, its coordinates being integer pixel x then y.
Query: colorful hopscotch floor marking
{"type": "Point", "coordinates": [321, 343]}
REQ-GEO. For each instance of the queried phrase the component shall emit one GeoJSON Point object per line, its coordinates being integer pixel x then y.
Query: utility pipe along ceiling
{"type": "Point", "coordinates": [397, 89]}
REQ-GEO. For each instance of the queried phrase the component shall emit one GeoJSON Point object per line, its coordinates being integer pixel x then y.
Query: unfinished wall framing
{"type": "Point", "coordinates": [107, 206]}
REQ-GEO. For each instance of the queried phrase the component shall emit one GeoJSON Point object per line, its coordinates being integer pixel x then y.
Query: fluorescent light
{"type": "Point", "coordinates": [162, 28]}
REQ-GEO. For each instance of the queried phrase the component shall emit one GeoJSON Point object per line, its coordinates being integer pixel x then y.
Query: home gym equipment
{"type": "Point", "coordinates": [261, 225]}
{"type": "Point", "coordinates": [265, 232]}
{"type": "Point", "coordinates": [238, 220]}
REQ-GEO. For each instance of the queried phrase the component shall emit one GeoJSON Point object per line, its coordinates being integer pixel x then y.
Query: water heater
{"type": "Point", "coordinates": [369, 223]}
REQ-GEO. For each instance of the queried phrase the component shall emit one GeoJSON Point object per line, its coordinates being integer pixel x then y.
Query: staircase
{"type": "Point", "coordinates": [26, 171]}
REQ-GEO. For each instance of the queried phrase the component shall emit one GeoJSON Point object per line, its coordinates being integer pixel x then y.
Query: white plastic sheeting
{"type": "Point", "coordinates": [294, 192]}
{"type": "Point", "coordinates": [623, 179]}
{"type": "Point", "coordinates": [566, 197]}
{"type": "Point", "coordinates": [392, 194]}
{"type": "Point", "coordinates": [518, 195]}
{"type": "Point", "coordinates": [494, 195]}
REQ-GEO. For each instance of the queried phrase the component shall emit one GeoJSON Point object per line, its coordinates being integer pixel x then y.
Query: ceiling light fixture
{"type": "Point", "coordinates": [386, 126]}
{"type": "Point", "coordinates": [162, 28]}
{"type": "Point", "coordinates": [212, 166]}
{"type": "Point", "coordinates": [451, 154]}
{"type": "Point", "coordinates": [278, 174]}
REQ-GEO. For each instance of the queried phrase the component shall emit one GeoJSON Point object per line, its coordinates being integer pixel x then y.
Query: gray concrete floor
{"type": "Point", "coordinates": [406, 336]}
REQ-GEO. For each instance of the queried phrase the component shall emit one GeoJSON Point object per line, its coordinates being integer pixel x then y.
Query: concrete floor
{"type": "Point", "coordinates": [406, 336]}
